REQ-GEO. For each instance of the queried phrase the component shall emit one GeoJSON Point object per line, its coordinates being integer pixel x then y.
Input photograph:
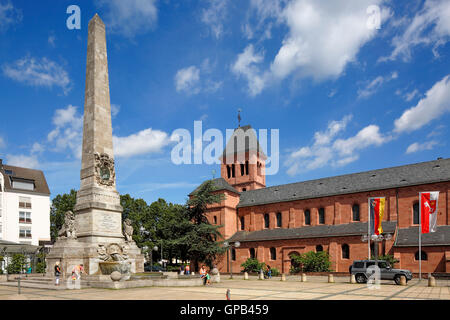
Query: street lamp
{"type": "Point", "coordinates": [229, 246]}
{"type": "Point", "coordinates": [375, 238]}
{"type": "Point", "coordinates": [155, 248]}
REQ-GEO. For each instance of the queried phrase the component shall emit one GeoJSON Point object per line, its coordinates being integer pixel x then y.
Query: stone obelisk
{"type": "Point", "coordinates": [98, 212]}
{"type": "Point", "coordinates": [93, 234]}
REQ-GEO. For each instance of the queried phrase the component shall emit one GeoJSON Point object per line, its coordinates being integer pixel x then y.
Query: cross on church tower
{"type": "Point", "coordinates": [239, 117]}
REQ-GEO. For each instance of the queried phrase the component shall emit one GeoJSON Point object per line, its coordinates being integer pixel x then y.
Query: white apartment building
{"type": "Point", "coordinates": [24, 205]}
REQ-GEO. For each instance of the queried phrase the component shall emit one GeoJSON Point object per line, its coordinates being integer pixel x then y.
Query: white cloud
{"type": "Point", "coordinates": [23, 161]}
{"type": "Point", "coordinates": [36, 72]}
{"type": "Point", "coordinates": [415, 147]}
{"type": "Point", "coordinates": [366, 137]}
{"type": "Point", "coordinates": [2, 143]}
{"type": "Point", "coordinates": [9, 15]}
{"type": "Point", "coordinates": [245, 65]}
{"type": "Point", "coordinates": [411, 95]}
{"type": "Point", "coordinates": [187, 79]}
{"type": "Point", "coordinates": [430, 26]}
{"type": "Point", "coordinates": [374, 85]}
{"type": "Point", "coordinates": [265, 11]}
{"type": "Point", "coordinates": [129, 18]}
{"type": "Point", "coordinates": [323, 37]}
{"type": "Point", "coordinates": [145, 141]}
{"type": "Point", "coordinates": [51, 40]}
{"type": "Point", "coordinates": [37, 148]}
{"type": "Point", "coordinates": [214, 16]}
{"type": "Point", "coordinates": [67, 133]}
{"type": "Point", "coordinates": [435, 103]}
{"type": "Point", "coordinates": [115, 109]}
{"type": "Point", "coordinates": [328, 150]}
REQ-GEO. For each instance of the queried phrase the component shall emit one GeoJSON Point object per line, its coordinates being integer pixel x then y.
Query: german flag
{"type": "Point", "coordinates": [376, 209]}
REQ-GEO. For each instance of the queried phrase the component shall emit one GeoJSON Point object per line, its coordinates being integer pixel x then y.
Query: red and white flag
{"type": "Point", "coordinates": [429, 211]}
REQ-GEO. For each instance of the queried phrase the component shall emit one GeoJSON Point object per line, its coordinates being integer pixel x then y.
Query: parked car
{"type": "Point", "coordinates": [148, 268]}
{"type": "Point", "coordinates": [359, 269]}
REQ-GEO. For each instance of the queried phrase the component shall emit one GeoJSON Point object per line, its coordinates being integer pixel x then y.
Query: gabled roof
{"type": "Point", "coordinates": [219, 184]}
{"type": "Point", "coordinates": [409, 237]}
{"type": "Point", "coordinates": [236, 148]}
{"type": "Point", "coordinates": [395, 177]}
{"type": "Point", "coordinates": [320, 231]}
{"type": "Point", "coordinates": [25, 175]}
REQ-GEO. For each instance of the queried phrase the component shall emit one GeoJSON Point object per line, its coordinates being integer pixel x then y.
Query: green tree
{"type": "Point", "coordinates": [202, 238]}
{"type": "Point", "coordinates": [17, 264]}
{"type": "Point", "coordinates": [60, 205]}
{"type": "Point", "coordinates": [40, 264]}
{"type": "Point", "coordinates": [171, 227]}
{"type": "Point", "coordinates": [389, 258]}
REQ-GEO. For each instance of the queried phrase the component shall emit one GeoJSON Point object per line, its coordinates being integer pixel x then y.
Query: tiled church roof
{"type": "Point", "coordinates": [402, 176]}
{"type": "Point", "coordinates": [235, 148]}
{"type": "Point", "coordinates": [409, 237]}
{"type": "Point", "coordinates": [220, 184]}
{"type": "Point", "coordinates": [321, 231]}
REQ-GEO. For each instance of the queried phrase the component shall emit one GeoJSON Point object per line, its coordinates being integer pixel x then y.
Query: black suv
{"type": "Point", "coordinates": [359, 269]}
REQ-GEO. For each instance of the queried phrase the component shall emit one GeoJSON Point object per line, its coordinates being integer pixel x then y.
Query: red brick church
{"type": "Point", "coordinates": [329, 214]}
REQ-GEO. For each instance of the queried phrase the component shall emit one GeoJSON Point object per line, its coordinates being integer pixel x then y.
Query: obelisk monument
{"type": "Point", "coordinates": [98, 210]}
{"type": "Point", "coordinates": [93, 233]}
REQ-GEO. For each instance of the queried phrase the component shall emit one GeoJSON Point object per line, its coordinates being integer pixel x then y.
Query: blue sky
{"type": "Point", "coordinates": [345, 96]}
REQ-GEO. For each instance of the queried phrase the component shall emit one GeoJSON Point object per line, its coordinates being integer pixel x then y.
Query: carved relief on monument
{"type": "Point", "coordinates": [104, 169]}
{"type": "Point", "coordinates": [112, 252]}
{"type": "Point", "coordinates": [68, 229]}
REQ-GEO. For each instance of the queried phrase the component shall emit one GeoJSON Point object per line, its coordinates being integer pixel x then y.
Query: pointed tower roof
{"type": "Point", "coordinates": [250, 143]}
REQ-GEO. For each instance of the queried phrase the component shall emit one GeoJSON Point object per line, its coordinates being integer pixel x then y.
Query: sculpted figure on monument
{"type": "Point", "coordinates": [104, 169]}
{"type": "Point", "coordinates": [128, 230]}
{"type": "Point", "coordinates": [68, 228]}
{"type": "Point", "coordinates": [112, 252]}
{"type": "Point", "coordinates": [102, 253]}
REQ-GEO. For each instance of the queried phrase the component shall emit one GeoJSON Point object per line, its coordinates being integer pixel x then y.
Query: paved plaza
{"type": "Point", "coordinates": [316, 288]}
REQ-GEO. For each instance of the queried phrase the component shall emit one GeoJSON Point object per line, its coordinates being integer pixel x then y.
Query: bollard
{"type": "Point", "coordinates": [330, 278]}
{"type": "Point", "coordinates": [352, 279]}
{"type": "Point", "coordinates": [18, 283]}
{"type": "Point", "coordinates": [283, 277]}
{"type": "Point", "coordinates": [228, 294]}
{"type": "Point", "coordinates": [261, 275]}
{"type": "Point", "coordinates": [245, 275]}
{"type": "Point", "coordinates": [303, 277]}
{"type": "Point", "coordinates": [402, 280]}
{"type": "Point", "coordinates": [431, 281]}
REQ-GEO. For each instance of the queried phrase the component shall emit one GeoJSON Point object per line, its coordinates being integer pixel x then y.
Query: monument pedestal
{"type": "Point", "coordinates": [72, 252]}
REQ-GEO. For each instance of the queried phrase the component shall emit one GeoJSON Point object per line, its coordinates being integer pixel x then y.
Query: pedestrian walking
{"type": "Point", "coordinates": [269, 272]}
{"type": "Point", "coordinates": [57, 273]}
{"type": "Point", "coordinates": [203, 274]}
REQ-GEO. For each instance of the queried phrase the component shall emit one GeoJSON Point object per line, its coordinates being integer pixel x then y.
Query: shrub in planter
{"type": "Point", "coordinates": [311, 262]}
{"type": "Point", "coordinates": [275, 272]}
{"type": "Point", "coordinates": [253, 265]}
{"type": "Point", "coordinates": [17, 264]}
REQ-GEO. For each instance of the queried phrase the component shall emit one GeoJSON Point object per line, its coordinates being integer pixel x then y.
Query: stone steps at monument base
{"type": "Point", "coordinates": [44, 285]}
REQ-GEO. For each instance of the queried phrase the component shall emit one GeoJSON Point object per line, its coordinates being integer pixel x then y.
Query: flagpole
{"type": "Point", "coordinates": [368, 229]}
{"type": "Point", "coordinates": [420, 236]}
